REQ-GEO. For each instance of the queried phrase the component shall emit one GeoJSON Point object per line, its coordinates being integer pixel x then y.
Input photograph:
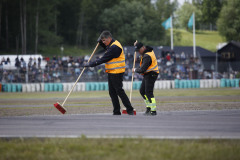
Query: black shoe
{"type": "Point", "coordinates": [148, 111]}
{"type": "Point", "coordinates": [130, 113]}
{"type": "Point", "coordinates": [117, 113]}
{"type": "Point", "coordinates": [153, 113]}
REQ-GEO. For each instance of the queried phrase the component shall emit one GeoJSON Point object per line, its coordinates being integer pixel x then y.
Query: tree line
{"type": "Point", "coordinates": [28, 25]}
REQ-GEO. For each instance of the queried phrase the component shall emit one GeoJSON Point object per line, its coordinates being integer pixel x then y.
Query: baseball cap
{"type": "Point", "coordinates": [138, 46]}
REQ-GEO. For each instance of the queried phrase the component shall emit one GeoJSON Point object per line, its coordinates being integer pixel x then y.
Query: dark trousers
{"type": "Point", "coordinates": [115, 85]}
{"type": "Point", "coordinates": [147, 85]}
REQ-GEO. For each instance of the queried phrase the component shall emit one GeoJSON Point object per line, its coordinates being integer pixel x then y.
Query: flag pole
{"type": "Point", "coordinates": [194, 40]}
{"type": "Point", "coordinates": [171, 34]}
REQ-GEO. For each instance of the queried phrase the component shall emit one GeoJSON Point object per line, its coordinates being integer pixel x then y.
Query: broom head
{"type": "Point", "coordinates": [60, 108]}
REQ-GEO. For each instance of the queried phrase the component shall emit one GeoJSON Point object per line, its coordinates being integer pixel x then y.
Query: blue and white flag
{"type": "Point", "coordinates": [167, 24]}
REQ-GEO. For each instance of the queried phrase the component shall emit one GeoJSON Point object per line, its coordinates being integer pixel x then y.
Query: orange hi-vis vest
{"type": "Point", "coordinates": [116, 65]}
{"type": "Point", "coordinates": [154, 65]}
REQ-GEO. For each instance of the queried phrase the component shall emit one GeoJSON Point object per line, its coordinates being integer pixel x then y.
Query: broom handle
{"type": "Point", "coordinates": [132, 76]}
{"type": "Point", "coordinates": [80, 75]}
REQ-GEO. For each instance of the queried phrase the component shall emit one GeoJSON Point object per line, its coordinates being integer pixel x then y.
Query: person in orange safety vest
{"type": "Point", "coordinates": [114, 60]}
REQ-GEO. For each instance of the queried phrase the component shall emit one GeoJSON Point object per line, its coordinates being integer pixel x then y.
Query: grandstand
{"type": "Point", "coordinates": [177, 64]}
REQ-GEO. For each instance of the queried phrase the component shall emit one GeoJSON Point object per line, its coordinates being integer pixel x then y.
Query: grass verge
{"type": "Point", "coordinates": [205, 39]}
{"type": "Point", "coordinates": [119, 149]}
{"type": "Point", "coordinates": [104, 94]}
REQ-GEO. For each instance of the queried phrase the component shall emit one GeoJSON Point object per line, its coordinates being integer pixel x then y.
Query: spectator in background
{"type": "Point", "coordinates": [168, 57]}
{"type": "Point", "coordinates": [17, 62]}
{"type": "Point", "coordinates": [54, 58]}
{"type": "Point", "coordinates": [8, 60]}
{"type": "Point", "coordinates": [173, 58]}
{"type": "Point", "coordinates": [183, 56]}
{"type": "Point", "coordinates": [10, 77]}
{"type": "Point", "coordinates": [39, 62]}
{"type": "Point", "coordinates": [30, 63]}
{"type": "Point", "coordinates": [3, 61]}
{"type": "Point", "coordinates": [177, 57]}
{"type": "Point", "coordinates": [21, 59]}
{"type": "Point", "coordinates": [1, 65]}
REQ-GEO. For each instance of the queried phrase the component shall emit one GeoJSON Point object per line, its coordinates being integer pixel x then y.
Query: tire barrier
{"type": "Point", "coordinates": [165, 84]}
{"type": "Point", "coordinates": [52, 87]}
{"type": "Point", "coordinates": [184, 84]}
{"type": "Point", "coordinates": [32, 87]}
{"type": "Point", "coordinates": [79, 87]}
{"type": "Point", "coordinates": [127, 85]}
{"type": "Point", "coordinates": [176, 82]}
{"type": "Point", "coordinates": [24, 87]}
{"type": "Point", "coordinates": [65, 89]}
{"type": "Point", "coordinates": [229, 83]}
{"type": "Point", "coordinates": [11, 87]}
{"type": "Point", "coordinates": [103, 86]}
{"type": "Point", "coordinates": [42, 87]}
{"type": "Point", "coordinates": [96, 86]}
{"type": "Point", "coordinates": [203, 83]}
{"type": "Point", "coordinates": [172, 84]}
{"type": "Point", "coordinates": [136, 85]}
{"type": "Point", "coordinates": [237, 83]}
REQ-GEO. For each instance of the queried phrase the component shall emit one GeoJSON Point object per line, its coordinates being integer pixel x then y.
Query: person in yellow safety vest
{"type": "Point", "coordinates": [114, 60]}
{"type": "Point", "coordinates": [149, 69]}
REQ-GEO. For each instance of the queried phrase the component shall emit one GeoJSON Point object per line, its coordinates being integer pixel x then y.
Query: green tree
{"type": "Point", "coordinates": [131, 20]}
{"type": "Point", "coordinates": [229, 20]}
{"type": "Point", "coordinates": [185, 12]}
{"type": "Point", "coordinates": [165, 8]}
{"type": "Point", "coordinates": [67, 20]}
{"type": "Point", "coordinates": [21, 20]}
{"type": "Point", "coordinates": [91, 11]}
{"type": "Point", "coordinates": [210, 11]}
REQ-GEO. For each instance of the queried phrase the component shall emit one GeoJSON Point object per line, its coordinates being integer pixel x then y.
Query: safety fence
{"type": "Point", "coordinates": [103, 86]}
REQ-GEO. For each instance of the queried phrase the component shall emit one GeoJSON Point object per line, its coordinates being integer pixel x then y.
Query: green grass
{"type": "Point", "coordinates": [102, 94]}
{"type": "Point", "coordinates": [122, 148]}
{"type": "Point", "coordinates": [118, 149]}
{"type": "Point", "coordinates": [205, 39]}
{"type": "Point", "coordinates": [38, 95]}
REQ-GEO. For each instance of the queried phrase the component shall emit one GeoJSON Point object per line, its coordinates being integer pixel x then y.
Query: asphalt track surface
{"type": "Point", "coordinates": [218, 124]}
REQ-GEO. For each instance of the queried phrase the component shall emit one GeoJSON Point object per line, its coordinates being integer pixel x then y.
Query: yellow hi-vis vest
{"type": "Point", "coordinates": [154, 65]}
{"type": "Point", "coordinates": [116, 65]}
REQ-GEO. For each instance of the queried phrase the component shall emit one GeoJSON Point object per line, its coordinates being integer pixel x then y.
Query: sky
{"type": "Point", "coordinates": [179, 1]}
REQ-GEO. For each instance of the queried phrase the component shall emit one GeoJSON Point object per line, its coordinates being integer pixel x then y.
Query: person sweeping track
{"type": "Point", "coordinates": [149, 69]}
{"type": "Point", "coordinates": [114, 60]}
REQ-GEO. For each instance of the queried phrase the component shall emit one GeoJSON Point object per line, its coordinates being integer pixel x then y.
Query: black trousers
{"type": "Point", "coordinates": [115, 85]}
{"type": "Point", "coordinates": [147, 85]}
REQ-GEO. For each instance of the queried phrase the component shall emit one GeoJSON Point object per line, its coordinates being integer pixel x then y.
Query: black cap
{"type": "Point", "coordinates": [138, 46]}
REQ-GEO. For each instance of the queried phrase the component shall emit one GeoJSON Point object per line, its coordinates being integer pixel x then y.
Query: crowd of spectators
{"type": "Point", "coordinates": [67, 69]}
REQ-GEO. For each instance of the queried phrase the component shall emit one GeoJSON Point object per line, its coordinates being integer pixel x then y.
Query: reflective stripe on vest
{"type": "Point", "coordinates": [116, 65]}
{"type": "Point", "coordinates": [154, 65]}
{"type": "Point", "coordinates": [116, 68]}
{"type": "Point", "coordinates": [115, 62]}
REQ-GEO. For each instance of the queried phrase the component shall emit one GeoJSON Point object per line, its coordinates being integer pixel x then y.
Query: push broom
{"type": "Point", "coordinates": [124, 111]}
{"type": "Point", "coordinates": [61, 107]}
